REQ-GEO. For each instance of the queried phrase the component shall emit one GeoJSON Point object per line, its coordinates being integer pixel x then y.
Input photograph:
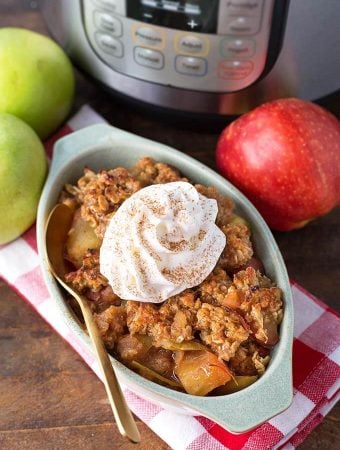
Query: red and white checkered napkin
{"type": "Point", "coordinates": [316, 354]}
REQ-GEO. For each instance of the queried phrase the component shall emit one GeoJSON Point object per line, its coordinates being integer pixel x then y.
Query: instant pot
{"type": "Point", "coordinates": [220, 57]}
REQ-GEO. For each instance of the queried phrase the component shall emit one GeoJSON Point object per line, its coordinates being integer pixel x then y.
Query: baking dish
{"type": "Point", "coordinates": [102, 147]}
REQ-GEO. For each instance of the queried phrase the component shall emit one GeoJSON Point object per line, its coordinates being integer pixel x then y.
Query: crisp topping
{"type": "Point", "coordinates": [233, 312]}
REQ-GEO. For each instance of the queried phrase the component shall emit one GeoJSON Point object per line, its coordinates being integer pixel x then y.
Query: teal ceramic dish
{"type": "Point", "coordinates": [103, 147]}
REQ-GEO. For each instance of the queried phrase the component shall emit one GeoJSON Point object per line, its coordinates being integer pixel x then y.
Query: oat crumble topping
{"type": "Point", "coordinates": [234, 313]}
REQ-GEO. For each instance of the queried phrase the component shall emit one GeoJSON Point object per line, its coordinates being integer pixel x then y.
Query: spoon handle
{"type": "Point", "coordinates": [122, 414]}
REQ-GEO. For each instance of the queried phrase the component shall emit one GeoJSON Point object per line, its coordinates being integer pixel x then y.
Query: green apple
{"type": "Point", "coordinates": [36, 79]}
{"type": "Point", "coordinates": [23, 168]}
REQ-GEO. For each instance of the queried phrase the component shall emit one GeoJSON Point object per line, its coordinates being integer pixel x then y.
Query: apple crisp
{"type": "Point", "coordinates": [214, 338]}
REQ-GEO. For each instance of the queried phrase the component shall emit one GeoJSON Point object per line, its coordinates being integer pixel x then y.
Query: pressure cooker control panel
{"type": "Point", "coordinates": [209, 45]}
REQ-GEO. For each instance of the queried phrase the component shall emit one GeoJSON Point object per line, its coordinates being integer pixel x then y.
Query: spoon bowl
{"type": "Point", "coordinates": [57, 227]}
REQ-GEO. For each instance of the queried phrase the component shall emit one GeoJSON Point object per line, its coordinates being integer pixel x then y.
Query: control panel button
{"type": "Point", "coordinates": [118, 6]}
{"type": "Point", "coordinates": [149, 36]}
{"type": "Point", "coordinates": [234, 70]}
{"type": "Point", "coordinates": [189, 65]}
{"type": "Point", "coordinates": [237, 48]}
{"type": "Point", "coordinates": [194, 24]}
{"type": "Point", "coordinates": [242, 7]}
{"type": "Point", "coordinates": [147, 15]}
{"type": "Point", "coordinates": [242, 25]}
{"type": "Point", "coordinates": [152, 3]}
{"type": "Point", "coordinates": [190, 44]}
{"type": "Point", "coordinates": [109, 44]}
{"type": "Point", "coordinates": [106, 22]}
{"type": "Point", "coordinates": [148, 58]}
{"type": "Point", "coordinates": [240, 16]}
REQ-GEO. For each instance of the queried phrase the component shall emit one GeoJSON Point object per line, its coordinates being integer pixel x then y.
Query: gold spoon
{"type": "Point", "coordinates": [57, 227]}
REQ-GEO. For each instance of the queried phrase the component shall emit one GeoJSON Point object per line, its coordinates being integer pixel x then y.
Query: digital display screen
{"type": "Point", "coordinates": [199, 16]}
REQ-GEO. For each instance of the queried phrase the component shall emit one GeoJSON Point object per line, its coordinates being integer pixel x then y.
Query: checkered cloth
{"type": "Point", "coordinates": [316, 354]}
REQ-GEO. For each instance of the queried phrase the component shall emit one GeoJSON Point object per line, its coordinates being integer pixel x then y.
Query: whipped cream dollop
{"type": "Point", "coordinates": [162, 240]}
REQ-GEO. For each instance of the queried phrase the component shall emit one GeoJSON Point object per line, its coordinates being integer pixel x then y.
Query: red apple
{"type": "Point", "coordinates": [285, 157]}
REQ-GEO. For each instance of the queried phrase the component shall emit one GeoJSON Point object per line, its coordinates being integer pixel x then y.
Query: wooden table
{"type": "Point", "coordinates": [46, 390]}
